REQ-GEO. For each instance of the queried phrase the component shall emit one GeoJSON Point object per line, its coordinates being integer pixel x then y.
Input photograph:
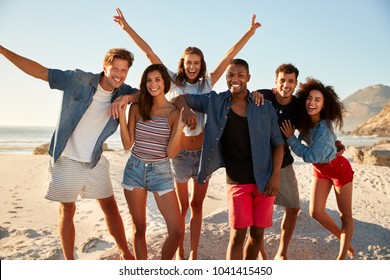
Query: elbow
{"type": "Point", "coordinates": [172, 155]}
{"type": "Point", "coordinates": [126, 146]}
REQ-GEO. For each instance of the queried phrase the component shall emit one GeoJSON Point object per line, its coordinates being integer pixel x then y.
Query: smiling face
{"type": "Point", "coordinates": [237, 77]}
{"type": "Point", "coordinates": [114, 74]}
{"type": "Point", "coordinates": [192, 65]}
{"type": "Point", "coordinates": [155, 83]}
{"type": "Point", "coordinates": [285, 85]}
{"type": "Point", "coordinates": [314, 104]}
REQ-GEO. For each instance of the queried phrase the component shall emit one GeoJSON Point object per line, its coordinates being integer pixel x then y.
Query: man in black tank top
{"type": "Point", "coordinates": [247, 206]}
{"type": "Point", "coordinates": [246, 140]}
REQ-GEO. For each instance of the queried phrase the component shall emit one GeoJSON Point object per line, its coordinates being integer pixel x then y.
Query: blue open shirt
{"type": "Point", "coordinates": [320, 142]}
{"type": "Point", "coordinates": [264, 133]}
{"type": "Point", "coordinates": [78, 89]}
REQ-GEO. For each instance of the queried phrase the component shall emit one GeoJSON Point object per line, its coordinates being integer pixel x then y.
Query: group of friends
{"type": "Point", "coordinates": [178, 129]}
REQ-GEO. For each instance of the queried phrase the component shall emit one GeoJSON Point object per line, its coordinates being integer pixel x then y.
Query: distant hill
{"type": "Point", "coordinates": [364, 104]}
{"type": "Point", "coordinates": [377, 125]}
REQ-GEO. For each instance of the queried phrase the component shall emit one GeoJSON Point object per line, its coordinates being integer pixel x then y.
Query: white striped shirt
{"type": "Point", "coordinates": [151, 139]}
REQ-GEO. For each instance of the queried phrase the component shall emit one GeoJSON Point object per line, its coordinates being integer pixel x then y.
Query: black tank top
{"type": "Point", "coordinates": [236, 150]}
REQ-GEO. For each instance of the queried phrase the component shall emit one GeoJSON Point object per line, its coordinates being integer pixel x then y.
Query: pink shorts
{"type": "Point", "coordinates": [248, 207]}
{"type": "Point", "coordinates": [339, 171]}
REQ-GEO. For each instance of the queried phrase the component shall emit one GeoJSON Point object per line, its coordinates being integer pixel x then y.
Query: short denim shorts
{"type": "Point", "coordinates": [152, 176]}
{"type": "Point", "coordinates": [186, 166]}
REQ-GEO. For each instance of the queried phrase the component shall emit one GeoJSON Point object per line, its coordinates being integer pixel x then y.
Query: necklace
{"type": "Point", "coordinates": [279, 108]}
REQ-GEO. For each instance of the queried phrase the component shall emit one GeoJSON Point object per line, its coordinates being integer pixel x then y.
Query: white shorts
{"type": "Point", "coordinates": [70, 178]}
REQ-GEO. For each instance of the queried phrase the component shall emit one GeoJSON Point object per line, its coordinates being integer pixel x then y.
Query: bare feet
{"type": "Point", "coordinates": [126, 256]}
{"type": "Point", "coordinates": [351, 252]}
{"type": "Point", "coordinates": [193, 256]}
{"type": "Point", "coordinates": [179, 257]}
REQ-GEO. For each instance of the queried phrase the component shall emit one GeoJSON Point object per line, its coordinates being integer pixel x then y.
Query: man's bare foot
{"type": "Point", "coordinates": [280, 257]}
{"type": "Point", "coordinates": [179, 257]}
{"type": "Point", "coordinates": [126, 256]}
{"type": "Point", "coordinates": [351, 252]}
{"type": "Point", "coordinates": [193, 256]}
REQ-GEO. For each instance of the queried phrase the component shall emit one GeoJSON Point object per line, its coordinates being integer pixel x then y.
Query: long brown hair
{"type": "Point", "coordinates": [181, 75]}
{"type": "Point", "coordinates": [145, 99]}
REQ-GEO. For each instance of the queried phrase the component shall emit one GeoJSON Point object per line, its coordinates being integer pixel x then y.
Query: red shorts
{"type": "Point", "coordinates": [339, 171]}
{"type": "Point", "coordinates": [248, 207]}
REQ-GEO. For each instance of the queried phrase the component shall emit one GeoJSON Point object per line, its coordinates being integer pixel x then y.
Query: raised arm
{"type": "Point", "coordinates": [221, 67]}
{"type": "Point", "coordinates": [120, 19]}
{"type": "Point", "coordinates": [28, 66]}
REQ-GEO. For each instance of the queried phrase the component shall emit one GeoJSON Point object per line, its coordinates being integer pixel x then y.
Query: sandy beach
{"type": "Point", "coordinates": [28, 228]}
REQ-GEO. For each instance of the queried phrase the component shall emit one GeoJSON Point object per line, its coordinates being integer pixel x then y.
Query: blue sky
{"type": "Point", "coordinates": [342, 43]}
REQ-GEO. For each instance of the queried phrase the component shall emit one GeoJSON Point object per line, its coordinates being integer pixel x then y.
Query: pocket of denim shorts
{"type": "Point", "coordinates": [162, 169]}
{"type": "Point", "coordinates": [131, 163]}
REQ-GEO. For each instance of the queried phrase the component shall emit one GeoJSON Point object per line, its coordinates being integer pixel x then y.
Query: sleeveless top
{"type": "Point", "coordinates": [237, 154]}
{"type": "Point", "coordinates": [152, 138]}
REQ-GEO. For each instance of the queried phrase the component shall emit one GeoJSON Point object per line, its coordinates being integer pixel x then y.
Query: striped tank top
{"type": "Point", "coordinates": [151, 139]}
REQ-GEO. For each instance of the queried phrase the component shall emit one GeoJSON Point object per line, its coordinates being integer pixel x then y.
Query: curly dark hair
{"type": "Point", "coordinates": [332, 112]}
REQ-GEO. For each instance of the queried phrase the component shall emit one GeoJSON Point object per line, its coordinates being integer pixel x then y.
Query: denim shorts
{"type": "Point", "coordinates": [152, 176]}
{"type": "Point", "coordinates": [186, 165]}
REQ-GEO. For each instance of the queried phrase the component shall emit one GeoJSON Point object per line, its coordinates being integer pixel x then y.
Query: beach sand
{"type": "Point", "coordinates": [28, 228]}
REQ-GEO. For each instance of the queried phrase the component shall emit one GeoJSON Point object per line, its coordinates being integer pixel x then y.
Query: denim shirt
{"type": "Point", "coordinates": [264, 133]}
{"type": "Point", "coordinates": [78, 89]}
{"type": "Point", "coordinates": [320, 142]}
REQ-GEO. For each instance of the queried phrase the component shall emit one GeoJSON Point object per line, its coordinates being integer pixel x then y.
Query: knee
{"type": "Point", "coordinates": [67, 210]}
{"type": "Point", "coordinates": [292, 212]}
{"type": "Point", "coordinates": [176, 233]}
{"type": "Point", "coordinates": [139, 229]}
{"type": "Point", "coordinates": [196, 206]}
{"type": "Point", "coordinates": [316, 214]}
{"type": "Point", "coordinates": [109, 206]}
{"type": "Point", "coordinates": [237, 237]}
{"type": "Point", "coordinates": [257, 234]}
{"type": "Point", "coordinates": [346, 219]}
{"type": "Point", "coordinates": [183, 207]}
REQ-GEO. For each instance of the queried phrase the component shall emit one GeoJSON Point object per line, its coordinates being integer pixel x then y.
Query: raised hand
{"type": "Point", "coordinates": [254, 24]}
{"type": "Point", "coordinates": [120, 19]}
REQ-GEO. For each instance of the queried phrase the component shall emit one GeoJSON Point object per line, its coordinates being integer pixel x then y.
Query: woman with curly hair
{"type": "Point", "coordinates": [320, 109]}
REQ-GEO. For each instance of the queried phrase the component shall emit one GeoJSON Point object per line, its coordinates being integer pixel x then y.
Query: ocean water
{"type": "Point", "coordinates": [23, 140]}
